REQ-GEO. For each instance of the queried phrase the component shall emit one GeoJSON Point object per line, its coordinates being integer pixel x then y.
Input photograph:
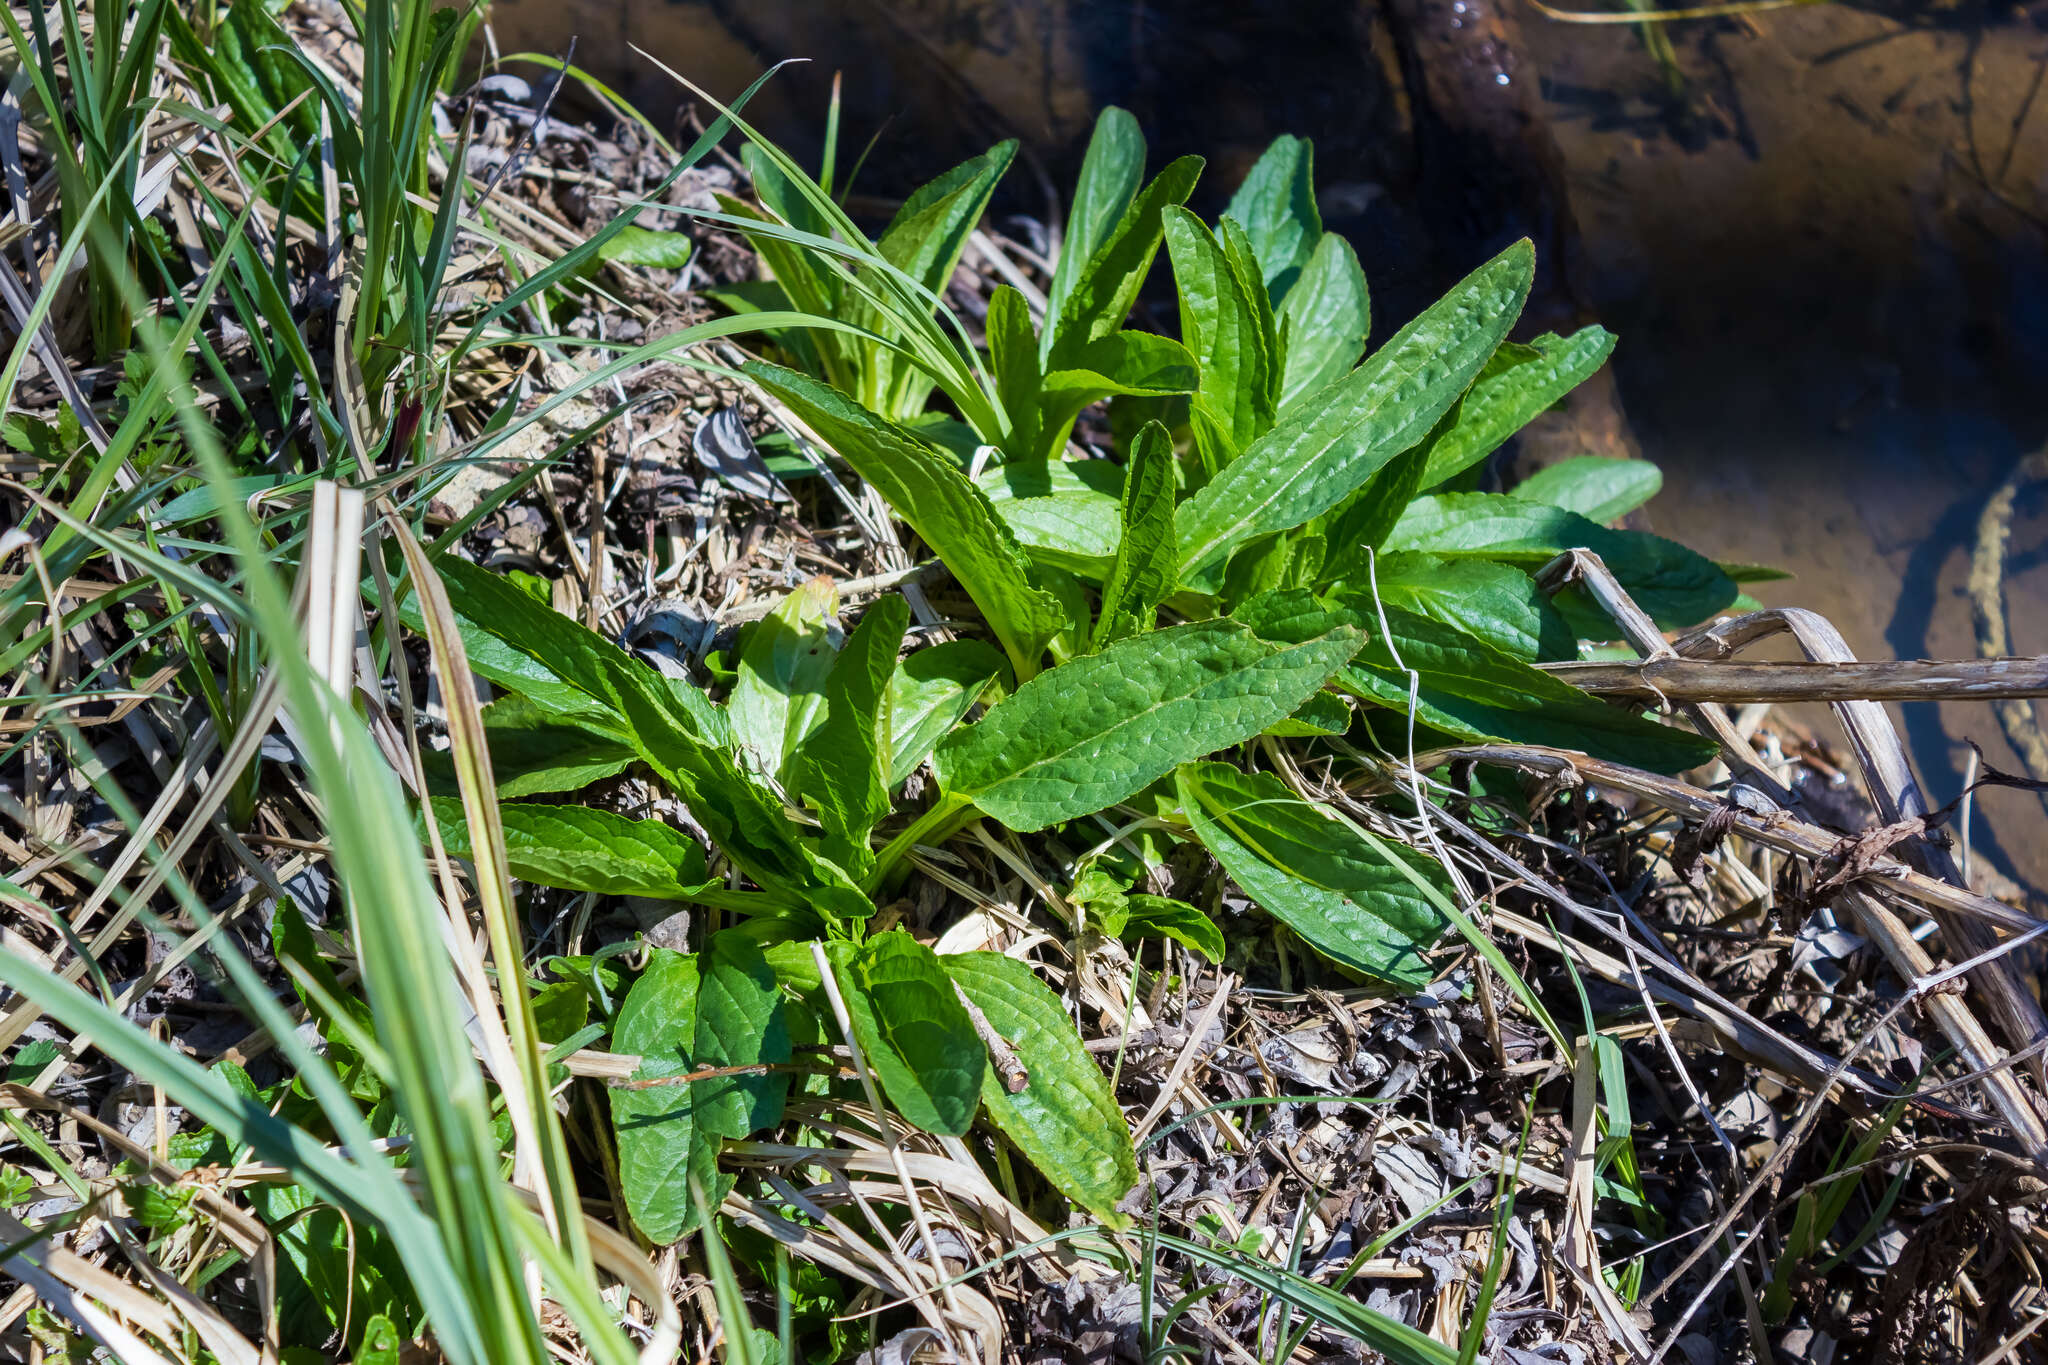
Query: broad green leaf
{"type": "Point", "coordinates": [656, 1127]}
{"type": "Point", "coordinates": [1276, 205]}
{"type": "Point", "coordinates": [1364, 521]}
{"type": "Point", "coordinates": [684, 1014]}
{"type": "Point", "coordinates": [1101, 727]}
{"type": "Point", "coordinates": [1342, 895]}
{"type": "Point", "coordinates": [559, 665]}
{"type": "Point", "coordinates": [242, 59]}
{"type": "Point", "coordinates": [1317, 458]}
{"type": "Point", "coordinates": [1073, 532]}
{"type": "Point", "coordinates": [1076, 602]}
{"type": "Point", "coordinates": [929, 233]}
{"type": "Point", "coordinates": [1269, 563]}
{"type": "Point", "coordinates": [316, 985]}
{"type": "Point", "coordinates": [1227, 322]}
{"type": "Point", "coordinates": [918, 1039]}
{"type": "Point", "coordinates": [949, 434]}
{"type": "Point", "coordinates": [1142, 916]}
{"type": "Point", "coordinates": [533, 752]}
{"type": "Point", "coordinates": [1014, 366]}
{"type": "Point", "coordinates": [1496, 602]}
{"type": "Point", "coordinates": [1474, 691]}
{"type": "Point", "coordinates": [1110, 175]}
{"type": "Point", "coordinates": [1124, 362]}
{"type": "Point", "coordinates": [744, 819]}
{"type": "Point", "coordinates": [925, 241]}
{"type": "Point", "coordinates": [1133, 364]}
{"type": "Point", "coordinates": [840, 768]}
{"type": "Point", "coordinates": [1325, 320]}
{"type": "Point", "coordinates": [739, 1023]}
{"type": "Point", "coordinates": [930, 694]}
{"type": "Point", "coordinates": [1597, 489]}
{"type": "Point", "coordinates": [559, 1009]}
{"type": "Point", "coordinates": [512, 669]}
{"type": "Point", "coordinates": [1053, 477]}
{"type": "Point", "coordinates": [779, 693]}
{"type": "Point", "coordinates": [672, 727]}
{"type": "Point", "coordinates": [634, 245]}
{"type": "Point", "coordinates": [1325, 713]}
{"type": "Point", "coordinates": [1065, 1119]}
{"type": "Point", "coordinates": [1673, 584]}
{"type": "Point", "coordinates": [1141, 575]}
{"type": "Point", "coordinates": [1263, 394]}
{"type": "Point", "coordinates": [1064, 512]}
{"type": "Point", "coordinates": [790, 959]}
{"type": "Point", "coordinates": [1107, 286]}
{"type": "Point", "coordinates": [381, 1343]}
{"type": "Point", "coordinates": [938, 502]}
{"type": "Point", "coordinates": [1517, 384]}
{"type": "Point", "coordinates": [580, 849]}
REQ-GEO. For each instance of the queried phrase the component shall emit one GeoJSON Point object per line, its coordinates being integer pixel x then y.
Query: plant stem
{"type": "Point", "coordinates": [946, 817]}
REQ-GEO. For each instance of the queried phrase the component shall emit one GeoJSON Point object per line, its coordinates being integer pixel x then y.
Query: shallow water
{"type": "Point", "coordinates": [1834, 316]}
{"type": "Point", "coordinates": [1827, 259]}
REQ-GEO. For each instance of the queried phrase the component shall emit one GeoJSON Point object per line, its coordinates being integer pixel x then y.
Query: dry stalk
{"type": "Point", "coordinates": [2016, 716]}
{"type": "Point", "coordinates": [1888, 777]}
{"type": "Point", "coordinates": [1736, 682]}
{"type": "Point", "coordinates": [1885, 877]}
{"type": "Point", "coordinates": [1890, 781]}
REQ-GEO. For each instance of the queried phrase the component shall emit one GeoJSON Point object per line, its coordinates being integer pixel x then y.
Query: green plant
{"type": "Point", "coordinates": [1024, 400]}
{"type": "Point", "coordinates": [1617, 1175]}
{"type": "Point", "coordinates": [1262, 533]}
{"type": "Point", "coordinates": [1271, 557]}
{"type": "Point", "coordinates": [476, 1213]}
{"type": "Point", "coordinates": [98, 139]}
{"type": "Point", "coordinates": [466, 1252]}
{"type": "Point", "coordinates": [1818, 1210]}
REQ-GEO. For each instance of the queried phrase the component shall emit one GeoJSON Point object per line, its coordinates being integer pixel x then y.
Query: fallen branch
{"type": "Point", "coordinates": [1740, 682]}
{"type": "Point", "coordinates": [1887, 878]}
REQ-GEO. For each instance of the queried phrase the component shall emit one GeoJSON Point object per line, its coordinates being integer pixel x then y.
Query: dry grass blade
{"type": "Point", "coordinates": [1580, 1249]}
{"type": "Point", "coordinates": [197, 823]}
{"type": "Point", "coordinates": [76, 1288]}
{"type": "Point", "coordinates": [240, 1229]}
{"type": "Point", "coordinates": [1191, 1055]}
{"type": "Point", "coordinates": [512, 1042]}
{"type": "Point", "coordinates": [1889, 778]}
